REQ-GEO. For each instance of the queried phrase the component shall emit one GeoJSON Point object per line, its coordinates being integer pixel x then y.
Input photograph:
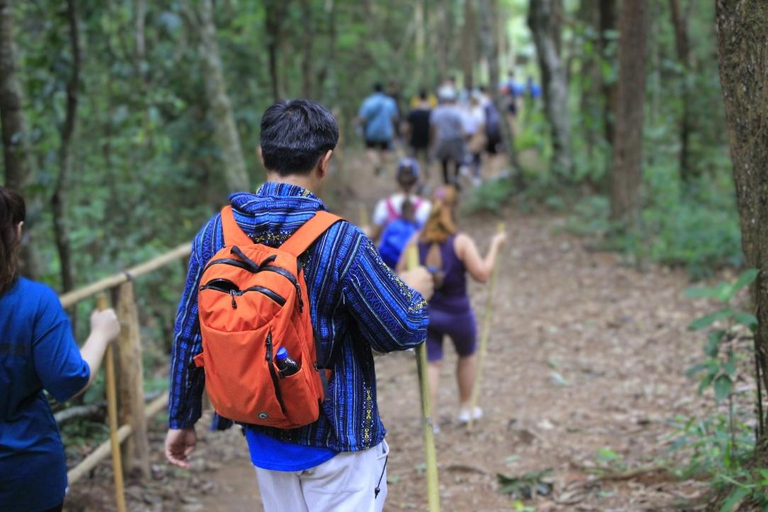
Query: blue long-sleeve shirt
{"type": "Point", "coordinates": [357, 305]}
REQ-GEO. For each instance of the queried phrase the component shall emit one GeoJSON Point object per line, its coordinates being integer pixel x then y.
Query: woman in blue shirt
{"type": "Point", "coordinates": [37, 352]}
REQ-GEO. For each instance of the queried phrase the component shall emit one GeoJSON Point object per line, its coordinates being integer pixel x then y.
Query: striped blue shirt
{"type": "Point", "coordinates": [357, 305]}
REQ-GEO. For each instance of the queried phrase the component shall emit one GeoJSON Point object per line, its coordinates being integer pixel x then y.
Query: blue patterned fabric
{"type": "Point", "coordinates": [357, 305]}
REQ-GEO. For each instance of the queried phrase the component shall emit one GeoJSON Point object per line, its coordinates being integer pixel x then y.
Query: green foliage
{"type": "Point", "coordinates": [526, 486]}
{"type": "Point", "coordinates": [491, 196]}
{"type": "Point", "coordinates": [719, 370]}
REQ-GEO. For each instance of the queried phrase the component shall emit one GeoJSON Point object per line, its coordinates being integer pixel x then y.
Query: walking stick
{"type": "Point", "coordinates": [484, 335]}
{"type": "Point", "coordinates": [117, 464]}
{"type": "Point", "coordinates": [433, 492]}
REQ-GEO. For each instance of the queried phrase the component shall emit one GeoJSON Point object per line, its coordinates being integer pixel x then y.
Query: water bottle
{"type": "Point", "coordinates": [285, 364]}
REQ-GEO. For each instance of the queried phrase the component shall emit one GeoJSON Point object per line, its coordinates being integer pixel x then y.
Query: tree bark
{"type": "Point", "coordinates": [15, 137]}
{"type": "Point", "coordinates": [610, 89]}
{"type": "Point", "coordinates": [468, 32]}
{"type": "Point", "coordinates": [628, 148]}
{"type": "Point", "coordinates": [490, 50]}
{"type": "Point", "coordinates": [541, 17]}
{"type": "Point", "coordinates": [591, 80]}
{"type": "Point", "coordinates": [220, 108]}
{"type": "Point", "coordinates": [743, 56]}
{"type": "Point", "coordinates": [60, 200]}
{"type": "Point", "coordinates": [683, 48]}
{"type": "Point", "coordinates": [274, 11]}
{"type": "Point", "coordinates": [306, 61]}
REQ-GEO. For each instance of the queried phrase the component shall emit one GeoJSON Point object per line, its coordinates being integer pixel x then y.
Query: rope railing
{"type": "Point", "coordinates": [128, 386]}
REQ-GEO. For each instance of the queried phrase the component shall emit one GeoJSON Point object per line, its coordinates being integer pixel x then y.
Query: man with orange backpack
{"type": "Point", "coordinates": [283, 307]}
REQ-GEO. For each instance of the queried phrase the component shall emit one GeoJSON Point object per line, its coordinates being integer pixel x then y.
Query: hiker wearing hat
{"type": "Point", "coordinates": [447, 134]}
{"type": "Point", "coordinates": [399, 216]}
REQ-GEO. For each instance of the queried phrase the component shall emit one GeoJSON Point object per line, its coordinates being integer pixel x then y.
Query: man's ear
{"type": "Point", "coordinates": [324, 164]}
{"type": "Point", "coordinates": [261, 157]}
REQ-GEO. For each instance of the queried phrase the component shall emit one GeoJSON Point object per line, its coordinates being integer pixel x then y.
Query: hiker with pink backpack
{"type": "Point", "coordinates": [399, 216]}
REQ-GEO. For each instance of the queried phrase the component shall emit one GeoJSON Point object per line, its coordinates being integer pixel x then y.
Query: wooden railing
{"type": "Point", "coordinates": [131, 410]}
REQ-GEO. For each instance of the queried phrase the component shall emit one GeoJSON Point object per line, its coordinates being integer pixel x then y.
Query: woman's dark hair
{"type": "Point", "coordinates": [12, 212]}
{"type": "Point", "coordinates": [295, 134]}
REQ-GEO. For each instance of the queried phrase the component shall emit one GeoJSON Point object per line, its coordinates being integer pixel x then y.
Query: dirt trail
{"type": "Point", "coordinates": [585, 368]}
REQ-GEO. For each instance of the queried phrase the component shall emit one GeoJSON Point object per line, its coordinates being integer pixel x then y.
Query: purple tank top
{"type": "Point", "coordinates": [452, 296]}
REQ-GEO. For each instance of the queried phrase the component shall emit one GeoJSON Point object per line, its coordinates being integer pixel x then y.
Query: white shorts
{"type": "Point", "coordinates": [349, 482]}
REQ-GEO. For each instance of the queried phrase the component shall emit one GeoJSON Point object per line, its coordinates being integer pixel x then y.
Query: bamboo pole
{"type": "Point", "coordinates": [433, 491]}
{"type": "Point", "coordinates": [75, 296]}
{"type": "Point", "coordinates": [484, 335]}
{"type": "Point", "coordinates": [114, 441]}
{"type": "Point", "coordinates": [105, 449]}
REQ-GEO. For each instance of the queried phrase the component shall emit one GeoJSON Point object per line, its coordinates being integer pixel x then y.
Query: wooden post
{"type": "Point", "coordinates": [117, 468]}
{"type": "Point", "coordinates": [130, 387]}
{"type": "Point", "coordinates": [433, 490]}
{"type": "Point", "coordinates": [484, 335]}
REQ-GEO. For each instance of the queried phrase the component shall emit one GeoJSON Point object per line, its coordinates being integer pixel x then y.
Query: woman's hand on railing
{"type": "Point", "coordinates": [105, 324]}
{"type": "Point", "coordinates": [104, 329]}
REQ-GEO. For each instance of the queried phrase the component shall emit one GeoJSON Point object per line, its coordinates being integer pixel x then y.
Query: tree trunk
{"type": "Point", "coordinates": [15, 141]}
{"type": "Point", "coordinates": [272, 29]}
{"type": "Point", "coordinates": [16, 154]}
{"type": "Point", "coordinates": [306, 62]}
{"type": "Point", "coordinates": [628, 149]}
{"type": "Point", "coordinates": [743, 55]}
{"type": "Point", "coordinates": [490, 50]}
{"type": "Point", "coordinates": [468, 32]}
{"type": "Point", "coordinates": [683, 47]}
{"type": "Point", "coordinates": [554, 84]}
{"type": "Point", "coordinates": [442, 39]}
{"type": "Point", "coordinates": [590, 79]}
{"type": "Point", "coordinates": [61, 192]}
{"type": "Point", "coordinates": [220, 108]}
{"type": "Point", "coordinates": [610, 89]}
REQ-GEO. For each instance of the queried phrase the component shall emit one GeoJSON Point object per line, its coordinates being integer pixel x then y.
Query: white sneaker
{"type": "Point", "coordinates": [464, 415]}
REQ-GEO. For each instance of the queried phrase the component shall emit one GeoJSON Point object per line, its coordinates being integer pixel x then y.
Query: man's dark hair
{"type": "Point", "coordinates": [378, 87]}
{"type": "Point", "coordinates": [295, 134]}
{"type": "Point", "coordinates": [423, 94]}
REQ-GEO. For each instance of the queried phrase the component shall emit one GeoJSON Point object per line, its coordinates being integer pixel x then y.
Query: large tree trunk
{"type": "Point", "coordinates": [16, 155]}
{"type": "Point", "coordinates": [743, 55]}
{"type": "Point", "coordinates": [15, 140]}
{"type": "Point", "coordinates": [627, 169]}
{"type": "Point", "coordinates": [306, 59]}
{"type": "Point", "coordinates": [683, 47]}
{"type": "Point", "coordinates": [490, 50]}
{"type": "Point", "coordinates": [591, 79]}
{"type": "Point", "coordinates": [610, 89]}
{"type": "Point", "coordinates": [60, 198]}
{"type": "Point", "coordinates": [541, 20]}
{"type": "Point", "coordinates": [468, 37]}
{"type": "Point", "coordinates": [272, 28]}
{"type": "Point", "coordinates": [220, 108]}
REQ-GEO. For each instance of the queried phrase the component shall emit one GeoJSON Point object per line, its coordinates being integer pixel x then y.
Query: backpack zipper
{"type": "Point", "coordinates": [216, 285]}
{"type": "Point", "coordinates": [269, 268]}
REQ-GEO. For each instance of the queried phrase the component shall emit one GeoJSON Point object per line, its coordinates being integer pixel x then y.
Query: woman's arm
{"type": "Point", "coordinates": [478, 267]}
{"type": "Point", "coordinates": [104, 328]}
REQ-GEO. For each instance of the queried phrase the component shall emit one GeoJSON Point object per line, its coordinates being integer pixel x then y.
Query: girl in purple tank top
{"type": "Point", "coordinates": [451, 255]}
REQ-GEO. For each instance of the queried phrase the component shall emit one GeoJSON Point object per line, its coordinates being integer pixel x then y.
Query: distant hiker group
{"type": "Point", "coordinates": [458, 128]}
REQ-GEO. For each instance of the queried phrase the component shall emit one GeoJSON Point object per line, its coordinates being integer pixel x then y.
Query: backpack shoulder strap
{"type": "Point", "coordinates": [233, 235]}
{"type": "Point", "coordinates": [308, 233]}
{"type": "Point", "coordinates": [391, 210]}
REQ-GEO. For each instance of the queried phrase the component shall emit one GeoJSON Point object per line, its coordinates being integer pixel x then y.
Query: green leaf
{"type": "Point", "coordinates": [745, 279]}
{"type": "Point", "coordinates": [713, 343]}
{"type": "Point", "coordinates": [745, 319]}
{"type": "Point", "coordinates": [723, 386]}
{"type": "Point", "coordinates": [700, 292]}
{"type": "Point", "coordinates": [705, 382]}
{"type": "Point", "coordinates": [734, 499]}
{"type": "Point", "coordinates": [707, 320]}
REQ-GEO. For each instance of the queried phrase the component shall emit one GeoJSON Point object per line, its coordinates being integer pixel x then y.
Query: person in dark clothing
{"type": "Point", "coordinates": [37, 352]}
{"type": "Point", "coordinates": [451, 255]}
{"type": "Point", "coordinates": [418, 126]}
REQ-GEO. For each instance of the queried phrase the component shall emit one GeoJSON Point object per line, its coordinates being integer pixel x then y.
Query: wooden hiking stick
{"type": "Point", "coordinates": [117, 463]}
{"type": "Point", "coordinates": [484, 335]}
{"type": "Point", "coordinates": [433, 491]}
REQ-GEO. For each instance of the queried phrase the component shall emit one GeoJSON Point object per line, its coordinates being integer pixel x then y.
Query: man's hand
{"type": "Point", "coordinates": [420, 280]}
{"type": "Point", "coordinates": [178, 445]}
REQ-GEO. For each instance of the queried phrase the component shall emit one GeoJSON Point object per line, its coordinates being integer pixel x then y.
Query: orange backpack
{"type": "Point", "coordinates": [252, 301]}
